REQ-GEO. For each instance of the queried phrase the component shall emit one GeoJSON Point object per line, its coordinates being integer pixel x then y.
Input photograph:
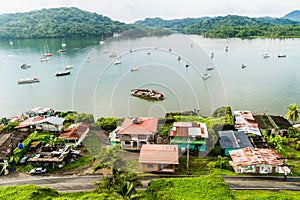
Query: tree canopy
{"type": "Point", "coordinates": [229, 26]}
{"type": "Point", "coordinates": [58, 23]}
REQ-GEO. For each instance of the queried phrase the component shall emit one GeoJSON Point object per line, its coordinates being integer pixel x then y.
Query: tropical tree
{"type": "Point", "coordinates": [120, 182]}
{"type": "Point", "coordinates": [293, 113]}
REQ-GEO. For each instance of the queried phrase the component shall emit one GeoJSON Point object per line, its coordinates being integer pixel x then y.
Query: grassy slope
{"type": "Point", "coordinates": [267, 195]}
{"type": "Point", "coordinates": [207, 187]}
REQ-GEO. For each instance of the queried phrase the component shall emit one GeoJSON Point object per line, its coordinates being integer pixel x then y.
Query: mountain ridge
{"type": "Point", "coordinates": [72, 22]}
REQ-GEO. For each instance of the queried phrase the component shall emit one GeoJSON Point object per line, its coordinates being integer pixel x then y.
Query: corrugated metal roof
{"type": "Point", "coordinates": [29, 121]}
{"type": "Point", "coordinates": [233, 139]}
{"type": "Point", "coordinates": [185, 129]}
{"type": "Point", "coordinates": [52, 120]}
{"type": "Point", "coordinates": [163, 154]}
{"type": "Point", "coordinates": [251, 156]}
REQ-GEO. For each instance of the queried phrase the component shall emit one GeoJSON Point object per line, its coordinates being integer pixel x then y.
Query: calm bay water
{"type": "Point", "coordinates": [98, 86]}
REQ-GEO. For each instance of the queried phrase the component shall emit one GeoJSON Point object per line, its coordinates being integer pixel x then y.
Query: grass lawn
{"type": "Point", "coordinates": [262, 194]}
{"type": "Point", "coordinates": [206, 187]}
{"type": "Point", "coordinates": [199, 166]}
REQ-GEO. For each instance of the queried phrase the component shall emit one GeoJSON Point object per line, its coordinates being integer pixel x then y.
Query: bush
{"type": "Point", "coordinates": [107, 124]}
{"type": "Point", "coordinates": [84, 117]}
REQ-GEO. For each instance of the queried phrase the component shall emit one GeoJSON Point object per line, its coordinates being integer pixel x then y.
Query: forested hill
{"type": "Point", "coordinates": [58, 23]}
{"type": "Point", "coordinates": [229, 26]}
{"type": "Point", "coordinates": [295, 15]}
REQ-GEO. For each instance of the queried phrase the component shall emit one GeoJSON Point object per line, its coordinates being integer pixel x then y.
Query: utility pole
{"type": "Point", "coordinates": [188, 156]}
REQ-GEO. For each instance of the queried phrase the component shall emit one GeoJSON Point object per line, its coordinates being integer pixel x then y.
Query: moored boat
{"type": "Point", "coordinates": [48, 54]}
{"type": "Point", "coordinates": [209, 68]}
{"type": "Point", "coordinates": [69, 67]}
{"type": "Point", "coordinates": [28, 80]}
{"type": "Point", "coordinates": [266, 55]}
{"type": "Point", "coordinates": [206, 76]}
{"type": "Point", "coordinates": [281, 55]}
{"type": "Point", "coordinates": [63, 73]}
{"type": "Point", "coordinates": [44, 59]}
{"type": "Point", "coordinates": [25, 66]}
{"type": "Point", "coordinates": [148, 94]}
{"type": "Point", "coordinates": [117, 62]}
{"type": "Point", "coordinates": [134, 68]}
{"type": "Point", "coordinates": [61, 51]}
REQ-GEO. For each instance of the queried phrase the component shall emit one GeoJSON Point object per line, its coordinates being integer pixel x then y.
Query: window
{"type": "Point", "coordinates": [150, 166]}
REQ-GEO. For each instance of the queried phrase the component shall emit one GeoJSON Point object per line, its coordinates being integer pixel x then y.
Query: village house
{"type": "Point", "coordinates": [232, 140]}
{"type": "Point", "coordinates": [189, 135]}
{"type": "Point", "coordinates": [28, 124]}
{"type": "Point", "coordinates": [39, 111]}
{"type": "Point", "coordinates": [274, 125]}
{"type": "Point", "coordinates": [256, 160]}
{"type": "Point", "coordinates": [134, 132]}
{"type": "Point", "coordinates": [245, 122]}
{"type": "Point", "coordinates": [51, 158]}
{"type": "Point", "coordinates": [50, 124]}
{"type": "Point", "coordinates": [75, 134]}
{"type": "Point", "coordinates": [159, 158]}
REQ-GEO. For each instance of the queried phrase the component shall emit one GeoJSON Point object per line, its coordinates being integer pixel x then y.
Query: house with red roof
{"type": "Point", "coordinates": [75, 134]}
{"type": "Point", "coordinates": [159, 158]}
{"type": "Point", "coordinates": [28, 123]}
{"type": "Point", "coordinates": [134, 132]}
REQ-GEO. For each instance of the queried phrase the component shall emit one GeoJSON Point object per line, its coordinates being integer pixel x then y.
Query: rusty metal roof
{"type": "Point", "coordinates": [252, 156]}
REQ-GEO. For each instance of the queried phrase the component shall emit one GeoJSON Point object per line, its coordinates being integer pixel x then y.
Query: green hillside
{"type": "Point", "coordinates": [295, 15]}
{"type": "Point", "coordinates": [58, 23]}
{"type": "Point", "coordinates": [229, 26]}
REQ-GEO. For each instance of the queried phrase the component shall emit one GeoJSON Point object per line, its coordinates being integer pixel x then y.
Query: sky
{"type": "Point", "coordinates": [129, 11]}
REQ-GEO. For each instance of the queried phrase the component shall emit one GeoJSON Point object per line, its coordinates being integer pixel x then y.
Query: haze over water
{"type": "Point", "coordinates": [99, 87]}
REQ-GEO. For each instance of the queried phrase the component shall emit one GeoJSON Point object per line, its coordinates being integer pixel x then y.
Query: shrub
{"type": "Point", "coordinates": [107, 124]}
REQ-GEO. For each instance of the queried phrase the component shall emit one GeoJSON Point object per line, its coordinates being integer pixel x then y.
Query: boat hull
{"type": "Point", "coordinates": [148, 94]}
{"type": "Point", "coordinates": [28, 80]}
{"type": "Point", "coordinates": [64, 73]}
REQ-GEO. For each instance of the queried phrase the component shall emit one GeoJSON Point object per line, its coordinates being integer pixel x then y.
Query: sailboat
{"type": "Point", "coordinates": [63, 44]}
{"type": "Point", "coordinates": [47, 54]}
{"type": "Point", "coordinates": [64, 72]}
{"type": "Point", "coordinates": [11, 42]}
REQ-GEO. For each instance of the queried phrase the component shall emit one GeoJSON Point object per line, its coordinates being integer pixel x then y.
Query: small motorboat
{"type": "Point", "coordinates": [266, 55]}
{"type": "Point", "coordinates": [28, 80]}
{"type": "Point", "coordinates": [209, 68]}
{"type": "Point", "coordinates": [113, 55]}
{"type": "Point", "coordinates": [117, 62]}
{"type": "Point", "coordinates": [281, 55]}
{"type": "Point", "coordinates": [243, 66]}
{"type": "Point", "coordinates": [134, 68]}
{"type": "Point", "coordinates": [25, 66]}
{"type": "Point", "coordinates": [61, 51]}
{"type": "Point", "coordinates": [206, 76]}
{"type": "Point", "coordinates": [63, 73]}
{"type": "Point", "coordinates": [69, 67]}
{"type": "Point", "coordinates": [44, 59]}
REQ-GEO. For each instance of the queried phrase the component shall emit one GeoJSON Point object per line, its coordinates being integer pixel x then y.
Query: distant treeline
{"type": "Point", "coordinates": [229, 26]}
{"type": "Point", "coordinates": [75, 23]}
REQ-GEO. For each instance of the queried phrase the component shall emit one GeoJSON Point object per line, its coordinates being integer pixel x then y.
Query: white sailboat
{"type": "Point", "coordinates": [67, 69]}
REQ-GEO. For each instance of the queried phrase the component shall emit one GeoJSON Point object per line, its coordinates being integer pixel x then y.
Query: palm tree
{"type": "Point", "coordinates": [293, 113]}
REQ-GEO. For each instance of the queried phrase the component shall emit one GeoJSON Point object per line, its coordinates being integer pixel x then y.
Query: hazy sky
{"type": "Point", "coordinates": [132, 10]}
